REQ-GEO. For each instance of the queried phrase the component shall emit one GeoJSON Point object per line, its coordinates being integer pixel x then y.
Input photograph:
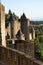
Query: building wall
{"type": "Point", "coordinates": [8, 30]}
{"type": "Point", "coordinates": [0, 14]}
{"type": "Point", "coordinates": [13, 28]}
{"type": "Point", "coordinates": [16, 27]}
{"type": "Point", "coordinates": [2, 24]}
{"type": "Point", "coordinates": [26, 47]}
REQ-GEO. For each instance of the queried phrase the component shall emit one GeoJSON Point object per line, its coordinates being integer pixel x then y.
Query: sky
{"type": "Point", "coordinates": [33, 9]}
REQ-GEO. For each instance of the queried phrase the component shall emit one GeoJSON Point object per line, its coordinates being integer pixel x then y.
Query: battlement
{"type": "Point", "coordinates": [10, 56]}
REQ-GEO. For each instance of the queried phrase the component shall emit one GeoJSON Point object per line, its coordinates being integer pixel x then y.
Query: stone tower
{"type": "Point", "coordinates": [2, 25]}
{"type": "Point", "coordinates": [11, 21]}
{"type": "Point", "coordinates": [14, 25]}
{"type": "Point", "coordinates": [25, 23]}
{"type": "Point", "coordinates": [33, 33]}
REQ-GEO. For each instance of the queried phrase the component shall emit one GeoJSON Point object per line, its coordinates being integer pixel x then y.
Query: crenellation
{"type": "Point", "coordinates": [15, 57]}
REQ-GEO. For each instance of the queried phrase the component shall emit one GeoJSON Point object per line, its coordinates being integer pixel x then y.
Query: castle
{"type": "Point", "coordinates": [23, 35]}
{"type": "Point", "coordinates": [17, 33]}
{"type": "Point", "coordinates": [19, 29]}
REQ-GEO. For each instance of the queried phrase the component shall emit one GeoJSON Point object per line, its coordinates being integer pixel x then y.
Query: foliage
{"type": "Point", "coordinates": [6, 18]}
{"type": "Point", "coordinates": [39, 43]}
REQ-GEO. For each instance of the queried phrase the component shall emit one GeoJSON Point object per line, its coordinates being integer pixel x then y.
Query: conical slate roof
{"type": "Point", "coordinates": [19, 33]}
{"type": "Point", "coordinates": [11, 17]}
{"type": "Point", "coordinates": [23, 17]}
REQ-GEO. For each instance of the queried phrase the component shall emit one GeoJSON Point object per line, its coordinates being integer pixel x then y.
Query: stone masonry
{"type": "Point", "coordinates": [10, 56]}
{"type": "Point", "coordinates": [2, 24]}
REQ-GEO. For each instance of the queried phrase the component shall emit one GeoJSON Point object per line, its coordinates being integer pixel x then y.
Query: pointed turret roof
{"type": "Point", "coordinates": [19, 33]}
{"type": "Point", "coordinates": [11, 16]}
{"type": "Point", "coordinates": [23, 17]}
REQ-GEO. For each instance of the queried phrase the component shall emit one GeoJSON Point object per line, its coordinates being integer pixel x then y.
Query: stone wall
{"type": "Point", "coordinates": [26, 47]}
{"type": "Point", "coordinates": [12, 29]}
{"type": "Point", "coordinates": [8, 30]}
{"type": "Point", "coordinates": [10, 56]}
{"type": "Point", "coordinates": [2, 24]}
{"type": "Point", "coordinates": [16, 28]}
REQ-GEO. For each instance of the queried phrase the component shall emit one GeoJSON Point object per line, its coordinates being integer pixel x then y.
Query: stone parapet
{"type": "Point", "coordinates": [14, 57]}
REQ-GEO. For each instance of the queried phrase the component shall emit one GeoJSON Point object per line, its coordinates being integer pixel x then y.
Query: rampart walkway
{"type": "Point", "coordinates": [10, 56]}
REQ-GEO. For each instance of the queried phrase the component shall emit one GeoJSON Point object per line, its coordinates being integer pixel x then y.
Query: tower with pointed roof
{"type": "Point", "coordinates": [14, 25]}
{"type": "Point", "coordinates": [25, 23]}
{"type": "Point", "coordinates": [11, 19]}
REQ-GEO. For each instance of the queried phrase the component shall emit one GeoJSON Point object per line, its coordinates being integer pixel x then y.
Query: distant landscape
{"type": "Point", "coordinates": [38, 26]}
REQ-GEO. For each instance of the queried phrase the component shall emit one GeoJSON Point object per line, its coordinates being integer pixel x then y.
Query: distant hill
{"type": "Point", "coordinates": [36, 22]}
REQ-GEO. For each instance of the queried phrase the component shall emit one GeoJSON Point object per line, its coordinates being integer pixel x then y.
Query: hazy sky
{"type": "Point", "coordinates": [33, 9]}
